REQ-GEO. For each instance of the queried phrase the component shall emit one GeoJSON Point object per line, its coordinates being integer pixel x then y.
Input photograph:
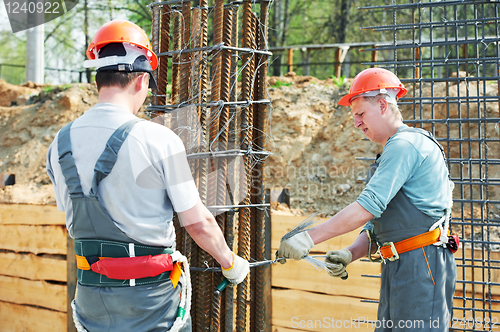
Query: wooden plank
{"type": "Point", "coordinates": [26, 214]}
{"type": "Point", "coordinates": [71, 283]}
{"type": "Point", "coordinates": [30, 266]}
{"type": "Point", "coordinates": [14, 317]}
{"type": "Point", "coordinates": [294, 309]}
{"type": "Point", "coordinates": [35, 239]}
{"type": "Point", "coordinates": [282, 224]}
{"type": "Point", "coordinates": [37, 293]}
{"type": "Point", "coordinates": [300, 275]}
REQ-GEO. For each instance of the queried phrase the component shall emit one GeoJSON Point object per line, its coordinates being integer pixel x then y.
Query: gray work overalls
{"type": "Point", "coordinates": [103, 304]}
{"type": "Point", "coordinates": [409, 300]}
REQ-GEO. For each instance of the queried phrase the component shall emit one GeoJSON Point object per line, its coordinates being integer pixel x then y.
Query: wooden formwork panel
{"type": "Point", "coordinates": [307, 299]}
{"type": "Point", "coordinates": [33, 268]}
{"type": "Point", "coordinates": [35, 239]}
{"type": "Point", "coordinates": [33, 292]}
{"type": "Point", "coordinates": [26, 214]}
{"type": "Point", "coordinates": [294, 309]}
{"type": "Point", "coordinates": [15, 318]}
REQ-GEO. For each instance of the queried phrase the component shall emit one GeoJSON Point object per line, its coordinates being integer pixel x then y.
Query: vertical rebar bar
{"type": "Point", "coordinates": [155, 43]}
{"type": "Point", "coordinates": [197, 164]}
{"type": "Point", "coordinates": [177, 45]}
{"type": "Point", "coordinates": [232, 143]}
{"type": "Point", "coordinates": [262, 282]}
{"type": "Point", "coordinates": [163, 61]}
{"type": "Point", "coordinates": [253, 177]}
{"type": "Point", "coordinates": [185, 56]}
{"type": "Point", "coordinates": [204, 292]}
{"type": "Point", "coordinates": [246, 124]}
{"type": "Point", "coordinates": [215, 185]}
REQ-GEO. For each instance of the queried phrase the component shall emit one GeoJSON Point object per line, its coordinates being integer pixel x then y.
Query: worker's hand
{"type": "Point", "coordinates": [296, 247]}
{"type": "Point", "coordinates": [337, 261]}
{"type": "Point", "coordinates": [238, 271]}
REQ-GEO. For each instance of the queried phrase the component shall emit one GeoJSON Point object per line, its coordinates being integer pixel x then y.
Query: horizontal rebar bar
{"type": "Point", "coordinates": [451, 120]}
{"type": "Point", "coordinates": [176, 107]}
{"type": "Point", "coordinates": [217, 47]}
{"type": "Point", "coordinates": [406, 45]}
{"type": "Point", "coordinates": [436, 62]}
{"type": "Point", "coordinates": [236, 207]}
{"type": "Point", "coordinates": [227, 153]}
{"type": "Point", "coordinates": [426, 4]}
{"type": "Point", "coordinates": [437, 24]}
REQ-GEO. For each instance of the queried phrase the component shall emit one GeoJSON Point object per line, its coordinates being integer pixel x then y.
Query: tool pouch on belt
{"type": "Point", "coordinates": [453, 243]}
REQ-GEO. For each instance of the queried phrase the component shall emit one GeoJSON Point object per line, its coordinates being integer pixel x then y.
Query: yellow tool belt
{"type": "Point", "coordinates": [391, 250]}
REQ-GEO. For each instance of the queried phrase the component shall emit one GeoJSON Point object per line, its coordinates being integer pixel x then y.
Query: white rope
{"type": "Point", "coordinates": [185, 304]}
{"type": "Point", "coordinates": [78, 326]}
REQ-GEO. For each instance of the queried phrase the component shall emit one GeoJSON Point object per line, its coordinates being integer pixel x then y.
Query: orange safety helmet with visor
{"type": "Point", "coordinates": [121, 31]}
{"type": "Point", "coordinates": [373, 81]}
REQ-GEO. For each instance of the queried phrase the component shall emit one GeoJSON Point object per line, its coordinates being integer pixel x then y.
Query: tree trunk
{"type": "Point", "coordinates": [345, 8]}
{"type": "Point", "coordinates": [86, 32]}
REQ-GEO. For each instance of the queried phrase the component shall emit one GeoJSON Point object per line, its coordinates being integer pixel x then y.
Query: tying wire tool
{"type": "Point", "coordinates": [223, 284]}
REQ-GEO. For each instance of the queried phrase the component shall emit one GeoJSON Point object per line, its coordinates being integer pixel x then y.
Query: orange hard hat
{"type": "Point", "coordinates": [373, 79]}
{"type": "Point", "coordinates": [121, 31]}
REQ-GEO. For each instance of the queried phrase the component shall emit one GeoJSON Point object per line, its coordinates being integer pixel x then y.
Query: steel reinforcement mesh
{"type": "Point", "coordinates": [447, 55]}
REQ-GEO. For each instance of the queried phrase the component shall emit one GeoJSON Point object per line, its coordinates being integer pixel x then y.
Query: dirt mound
{"type": "Point", "coordinates": [16, 94]}
{"type": "Point", "coordinates": [27, 131]}
{"type": "Point", "coordinates": [314, 147]}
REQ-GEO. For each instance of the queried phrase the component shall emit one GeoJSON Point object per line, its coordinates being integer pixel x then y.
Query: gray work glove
{"type": "Point", "coordinates": [238, 271]}
{"type": "Point", "coordinates": [337, 261]}
{"type": "Point", "coordinates": [296, 247]}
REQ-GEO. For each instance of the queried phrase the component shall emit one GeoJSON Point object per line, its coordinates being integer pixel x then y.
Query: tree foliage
{"type": "Point", "coordinates": [292, 22]}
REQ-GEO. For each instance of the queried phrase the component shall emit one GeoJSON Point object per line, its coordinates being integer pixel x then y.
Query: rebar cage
{"type": "Point", "coordinates": [212, 93]}
{"type": "Point", "coordinates": [447, 55]}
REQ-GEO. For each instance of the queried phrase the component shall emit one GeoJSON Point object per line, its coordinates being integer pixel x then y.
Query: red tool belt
{"type": "Point", "coordinates": [124, 268]}
{"type": "Point", "coordinates": [391, 250]}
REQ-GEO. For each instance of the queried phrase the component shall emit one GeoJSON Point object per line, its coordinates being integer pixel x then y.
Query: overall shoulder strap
{"type": "Point", "coordinates": [107, 160]}
{"type": "Point", "coordinates": [67, 162]}
{"type": "Point", "coordinates": [427, 134]}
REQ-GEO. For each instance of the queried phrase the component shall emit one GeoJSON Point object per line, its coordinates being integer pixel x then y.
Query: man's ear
{"type": "Point", "coordinates": [141, 80]}
{"type": "Point", "coordinates": [383, 104]}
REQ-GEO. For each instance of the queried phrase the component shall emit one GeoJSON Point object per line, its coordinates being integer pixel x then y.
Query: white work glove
{"type": "Point", "coordinates": [337, 261]}
{"type": "Point", "coordinates": [296, 247]}
{"type": "Point", "coordinates": [238, 271]}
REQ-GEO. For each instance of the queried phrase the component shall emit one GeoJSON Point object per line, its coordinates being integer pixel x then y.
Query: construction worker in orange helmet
{"type": "Point", "coordinates": [120, 179]}
{"type": "Point", "coordinates": [404, 209]}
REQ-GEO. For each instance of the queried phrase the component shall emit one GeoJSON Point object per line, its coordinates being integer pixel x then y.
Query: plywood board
{"type": "Point", "coordinates": [30, 266]}
{"type": "Point", "coordinates": [34, 239]}
{"type": "Point", "coordinates": [294, 309]}
{"type": "Point", "coordinates": [14, 317]}
{"type": "Point", "coordinates": [37, 293]}
{"type": "Point", "coordinates": [300, 275]}
{"type": "Point", "coordinates": [27, 214]}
